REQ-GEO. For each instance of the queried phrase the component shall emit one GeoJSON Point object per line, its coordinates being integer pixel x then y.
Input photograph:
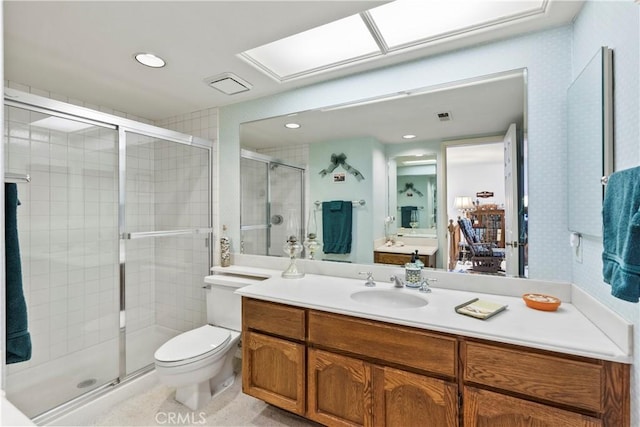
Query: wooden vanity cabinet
{"type": "Point", "coordinates": [274, 354]}
{"type": "Point", "coordinates": [394, 258]}
{"type": "Point", "coordinates": [402, 398]}
{"type": "Point", "coordinates": [521, 387]}
{"type": "Point", "coordinates": [483, 408]}
{"type": "Point", "coordinates": [339, 389]}
{"type": "Point", "coordinates": [383, 374]}
{"type": "Point", "coordinates": [347, 371]}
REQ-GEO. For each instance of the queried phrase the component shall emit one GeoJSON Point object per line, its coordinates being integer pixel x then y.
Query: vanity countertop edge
{"type": "Point", "coordinates": [518, 325]}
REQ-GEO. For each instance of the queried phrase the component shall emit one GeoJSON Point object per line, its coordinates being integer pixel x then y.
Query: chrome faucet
{"type": "Point", "coordinates": [398, 282]}
{"type": "Point", "coordinates": [424, 286]}
{"type": "Point", "coordinates": [369, 283]}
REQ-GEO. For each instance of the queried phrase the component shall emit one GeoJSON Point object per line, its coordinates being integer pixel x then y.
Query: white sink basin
{"type": "Point", "coordinates": [389, 298]}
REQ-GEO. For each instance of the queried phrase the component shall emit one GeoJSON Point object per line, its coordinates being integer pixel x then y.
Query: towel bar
{"type": "Point", "coordinates": [355, 203]}
{"type": "Point", "coordinates": [16, 178]}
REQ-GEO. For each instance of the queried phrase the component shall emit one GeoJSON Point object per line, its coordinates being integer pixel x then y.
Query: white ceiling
{"type": "Point", "coordinates": [83, 49]}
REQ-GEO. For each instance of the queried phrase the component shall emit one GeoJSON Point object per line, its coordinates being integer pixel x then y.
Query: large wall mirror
{"type": "Point", "coordinates": [388, 152]}
{"type": "Point", "coordinates": [590, 142]}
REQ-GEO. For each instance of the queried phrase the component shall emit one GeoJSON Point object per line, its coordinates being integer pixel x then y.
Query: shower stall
{"type": "Point", "coordinates": [272, 197]}
{"type": "Point", "coordinates": [115, 235]}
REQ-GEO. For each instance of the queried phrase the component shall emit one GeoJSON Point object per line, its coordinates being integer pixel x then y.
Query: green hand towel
{"type": "Point", "coordinates": [336, 227]}
{"type": "Point", "coordinates": [18, 348]}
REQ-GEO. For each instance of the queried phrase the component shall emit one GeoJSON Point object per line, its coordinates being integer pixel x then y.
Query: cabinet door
{"type": "Point", "coordinates": [402, 398]}
{"type": "Point", "coordinates": [483, 408]}
{"type": "Point", "coordinates": [339, 391]}
{"type": "Point", "coordinates": [273, 371]}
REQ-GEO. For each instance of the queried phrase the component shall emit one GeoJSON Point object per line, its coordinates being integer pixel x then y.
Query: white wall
{"type": "Point", "coordinates": [362, 154]}
{"type": "Point", "coordinates": [617, 25]}
{"type": "Point", "coordinates": [545, 55]}
{"type": "Point", "coordinates": [551, 59]}
{"type": "Point", "coordinates": [469, 179]}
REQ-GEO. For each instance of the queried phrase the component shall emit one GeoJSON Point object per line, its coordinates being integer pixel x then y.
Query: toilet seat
{"type": "Point", "coordinates": [192, 346]}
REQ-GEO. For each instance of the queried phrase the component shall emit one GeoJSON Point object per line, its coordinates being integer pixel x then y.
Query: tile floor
{"type": "Point", "coordinates": [231, 408]}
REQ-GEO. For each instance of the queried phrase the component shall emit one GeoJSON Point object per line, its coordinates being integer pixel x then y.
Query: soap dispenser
{"type": "Point", "coordinates": [418, 261]}
{"type": "Point", "coordinates": [413, 273]}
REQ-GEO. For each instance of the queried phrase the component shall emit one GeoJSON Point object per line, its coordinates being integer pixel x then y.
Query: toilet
{"type": "Point", "coordinates": [199, 362]}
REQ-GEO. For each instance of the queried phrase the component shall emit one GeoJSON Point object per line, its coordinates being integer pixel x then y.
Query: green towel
{"type": "Point", "coordinates": [18, 347]}
{"type": "Point", "coordinates": [621, 234]}
{"type": "Point", "coordinates": [336, 227]}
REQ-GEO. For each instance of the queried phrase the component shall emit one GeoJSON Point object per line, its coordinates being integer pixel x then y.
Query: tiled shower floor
{"type": "Point", "coordinates": [37, 389]}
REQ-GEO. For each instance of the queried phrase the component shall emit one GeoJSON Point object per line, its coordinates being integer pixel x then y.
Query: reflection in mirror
{"type": "Point", "coordinates": [367, 136]}
{"type": "Point", "coordinates": [415, 195]}
{"type": "Point", "coordinates": [590, 142]}
{"type": "Point", "coordinates": [272, 195]}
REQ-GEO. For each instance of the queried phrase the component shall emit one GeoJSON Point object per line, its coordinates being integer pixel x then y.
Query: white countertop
{"type": "Point", "coordinates": [566, 330]}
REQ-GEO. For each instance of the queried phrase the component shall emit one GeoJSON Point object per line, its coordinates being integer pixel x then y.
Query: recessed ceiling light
{"type": "Point", "coordinates": [408, 136]}
{"type": "Point", "coordinates": [150, 60]}
{"type": "Point", "coordinates": [292, 126]}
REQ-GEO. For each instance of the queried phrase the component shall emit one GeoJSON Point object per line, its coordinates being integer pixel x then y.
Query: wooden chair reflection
{"type": "Point", "coordinates": [485, 257]}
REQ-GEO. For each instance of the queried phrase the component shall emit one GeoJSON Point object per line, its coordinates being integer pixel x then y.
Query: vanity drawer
{"type": "Point", "coordinates": [542, 376]}
{"type": "Point", "coordinates": [405, 346]}
{"type": "Point", "coordinates": [273, 318]}
{"type": "Point", "coordinates": [401, 259]}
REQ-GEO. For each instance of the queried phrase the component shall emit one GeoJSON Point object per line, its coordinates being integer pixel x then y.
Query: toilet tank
{"type": "Point", "coordinates": [224, 307]}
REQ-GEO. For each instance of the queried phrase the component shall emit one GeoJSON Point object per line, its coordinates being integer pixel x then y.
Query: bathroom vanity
{"type": "Point", "coordinates": [402, 255]}
{"type": "Point", "coordinates": [310, 348]}
{"type": "Point", "coordinates": [400, 252]}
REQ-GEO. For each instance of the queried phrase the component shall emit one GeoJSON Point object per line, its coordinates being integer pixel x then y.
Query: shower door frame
{"type": "Point", "coordinates": [251, 155]}
{"type": "Point", "coordinates": [23, 100]}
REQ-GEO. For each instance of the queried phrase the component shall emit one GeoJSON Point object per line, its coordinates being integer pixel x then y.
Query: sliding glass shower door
{"type": "Point", "coordinates": [165, 239]}
{"type": "Point", "coordinates": [67, 232]}
{"type": "Point", "coordinates": [114, 229]}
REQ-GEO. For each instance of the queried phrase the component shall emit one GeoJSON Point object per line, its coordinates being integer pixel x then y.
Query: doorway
{"type": "Point", "coordinates": [484, 185]}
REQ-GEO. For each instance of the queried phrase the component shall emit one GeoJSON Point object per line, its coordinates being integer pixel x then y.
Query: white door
{"type": "Point", "coordinates": [511, 202]}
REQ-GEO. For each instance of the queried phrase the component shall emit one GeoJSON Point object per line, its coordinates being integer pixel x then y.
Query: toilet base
{"type": "Point", "coordinates": [194, 396]}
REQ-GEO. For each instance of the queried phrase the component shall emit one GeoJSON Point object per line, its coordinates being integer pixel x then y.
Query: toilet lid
{"type": "Point", "coordinates": [205, 340]}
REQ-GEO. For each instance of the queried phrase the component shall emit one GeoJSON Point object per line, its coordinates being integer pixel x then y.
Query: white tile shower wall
{"type": "Point", "coordinates": [182, 202]}
{"type": "Point", "coordinates": [183, 307]}
{"type": "Point", "coordinates": [253, 184]}
{"type": "Point", "coordinates": [67, 220]}
{"type": "Point", "coordinates": [140, 274]}
{"type": "Point", "coordinates": [297, 155]}
{"type": "Point", "coordinates": [53, 333]}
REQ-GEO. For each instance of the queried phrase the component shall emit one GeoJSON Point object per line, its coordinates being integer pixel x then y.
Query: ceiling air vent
{"type": "Point", "coordinates": [444, 116]}
{"type": "Point", "coordinates": [228, 83]}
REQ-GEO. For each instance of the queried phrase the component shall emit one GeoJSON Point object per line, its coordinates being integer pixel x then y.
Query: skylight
{"type": "Point", "coordinates": [388, 28]}
{"type": "Point", "coordinates": [338, 42]}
